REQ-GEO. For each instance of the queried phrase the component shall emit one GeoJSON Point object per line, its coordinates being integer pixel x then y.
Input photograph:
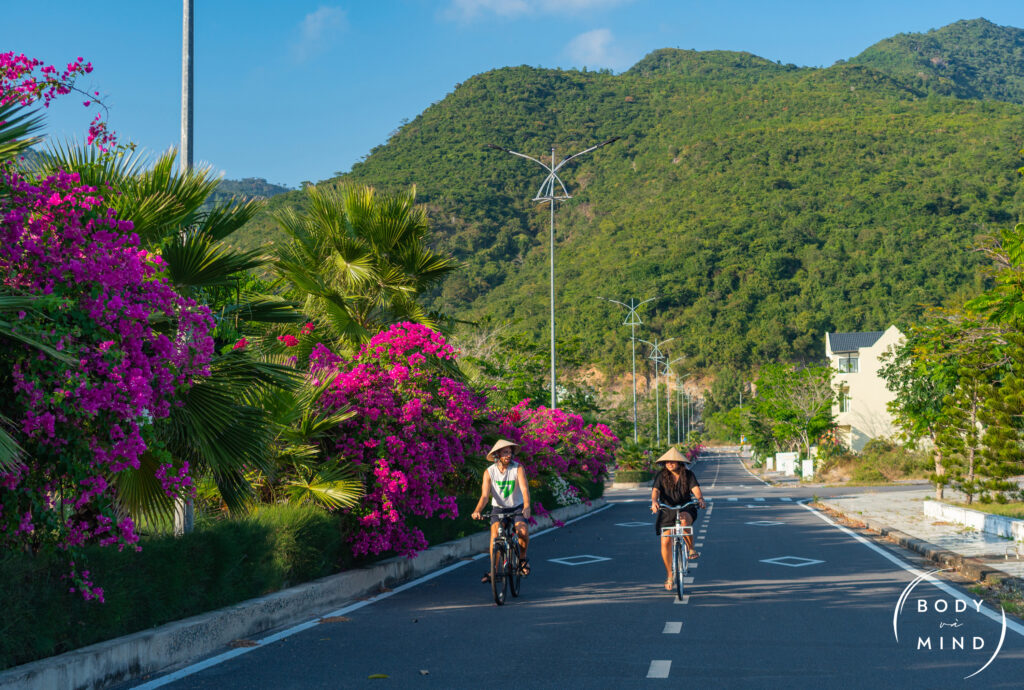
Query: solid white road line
{"type": "Point", "coordinates": [220, 658]}
{"type": "Point", "coordinates": [672, 627]}
{"type": "Point", "coordinates": [659, 668]}
{"type": "Point", "coordinates": [1016, 627]}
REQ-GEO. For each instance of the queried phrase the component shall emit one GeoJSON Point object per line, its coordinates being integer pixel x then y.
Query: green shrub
{"type": "Point", "coordinates": [170, 579]}
{"type": "Point", "coordinates": [634, 476]}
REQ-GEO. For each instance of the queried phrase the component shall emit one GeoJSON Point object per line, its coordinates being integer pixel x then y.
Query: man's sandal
{"type": "Point", "coordinates": [524, 567]}
{"type": "Point", "coordinates": [485, 579]}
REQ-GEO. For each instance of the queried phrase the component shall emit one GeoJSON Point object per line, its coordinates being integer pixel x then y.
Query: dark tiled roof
{"type": "Point", "coordinates": [851, 342]}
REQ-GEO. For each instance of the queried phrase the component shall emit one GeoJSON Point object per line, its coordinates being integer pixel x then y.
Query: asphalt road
{"type": "Point", "coordinates": [780, 597]}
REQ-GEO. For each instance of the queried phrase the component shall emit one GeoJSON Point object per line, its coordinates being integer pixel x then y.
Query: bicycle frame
{"type": "Point", "coordinates": [506, 541]}
{"type": "Point", "coordinates": [680, 557]}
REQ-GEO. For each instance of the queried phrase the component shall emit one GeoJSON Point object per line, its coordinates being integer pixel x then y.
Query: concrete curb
{"type": "Point", "coordinates": [972, 568]}
{"type": "Point", "coordinates": [180, 643]}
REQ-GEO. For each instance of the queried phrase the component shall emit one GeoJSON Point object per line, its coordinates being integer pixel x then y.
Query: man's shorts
{"type": "Point", "coordinates": [515, 512]}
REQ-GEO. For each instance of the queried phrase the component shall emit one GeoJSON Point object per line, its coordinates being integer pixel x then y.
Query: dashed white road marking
{"type": "Point", "coordinates": [759, 499]}
{"type": "Point", "coordinates": [685, 599]}
{"type": "Point", "coordinates": [691, 566]}
{"type": "Point", "coordinates": [732, 498]}
{"type": "Point", "coordinates": [785, 498]}
{"type": "Point", "coordinates": [673, 627]}
{"type": "Point", "coordinates": [659, 668]}
{"type": "Point", "coordinates": [687, 580]}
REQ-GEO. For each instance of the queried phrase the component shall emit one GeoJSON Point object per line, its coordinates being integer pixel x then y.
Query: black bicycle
{"type": "Point", "coordinates": [507, 561]}
{"type": "Point", "coordinates": [680, 558]}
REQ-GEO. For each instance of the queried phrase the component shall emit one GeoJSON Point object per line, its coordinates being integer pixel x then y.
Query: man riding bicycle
{"type": "Point", "coordinates": [504, 482]}
{"type": "Point", "coordinates": [674, 485]}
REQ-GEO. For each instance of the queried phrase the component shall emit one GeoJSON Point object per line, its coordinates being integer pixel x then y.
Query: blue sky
{"type": "Point", "coordinates": [298, 90]}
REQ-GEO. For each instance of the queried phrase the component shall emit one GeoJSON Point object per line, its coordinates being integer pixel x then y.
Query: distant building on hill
{"type": "Point", "coordinates": [861, 412]}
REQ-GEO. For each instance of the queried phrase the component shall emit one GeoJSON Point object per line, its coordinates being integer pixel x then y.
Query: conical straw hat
{"type": "Point", "coordinates": [672, 455]}
{"type": "Point", "coordinates": [501, 444]}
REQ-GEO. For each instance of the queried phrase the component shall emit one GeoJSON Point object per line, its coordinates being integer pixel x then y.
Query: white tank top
{"type": "Point", "coordinates": [505, 491]}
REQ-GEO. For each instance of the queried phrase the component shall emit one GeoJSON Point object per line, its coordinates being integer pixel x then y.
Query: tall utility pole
{"type": "Point", "coordinates": [657, 356]}
{"type": "Point", "coordinates": [184, 508]}
{"type": "Point", "coordinates": [550, 194]}
{"type": "Point", "coordinates": [668, 399]}
{"type": "Point", "coordinates": [632, 320]}
{"type": "Point", "coordinates": [187, 44]}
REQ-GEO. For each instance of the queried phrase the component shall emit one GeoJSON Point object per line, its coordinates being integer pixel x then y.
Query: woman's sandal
{"type": "Point", "coordinates": [669, 583]}
{"type": "Point", "coordinates": [485, 579]}
{"type": "Point", "coordinates": [524, 567]}
{"type": "Point", "coordinates": [693, 555]}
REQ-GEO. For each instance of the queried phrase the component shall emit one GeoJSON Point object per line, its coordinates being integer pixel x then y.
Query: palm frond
{"type": "Point", "coordinates": [225, 218]}
{"type": "Point", "coordinates": [10, 452]}
{"type": "Point", "coordinates": [17, 126]}
{"type": "Point", "coordinates": [331, 487]}
{"type": "Point", "coordinates": [139, 491]}
{"type": "Point", "coordinates": [194, 259]}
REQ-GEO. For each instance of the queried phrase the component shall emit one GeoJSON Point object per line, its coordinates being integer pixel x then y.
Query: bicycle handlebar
{"type": "Point", "coordinates": [695, 501]}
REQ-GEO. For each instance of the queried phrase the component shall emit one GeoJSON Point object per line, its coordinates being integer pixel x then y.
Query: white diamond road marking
{"type": "Point", "coordinates": [791, 561]}
{"type": "Point", "coordinates": [765, 523]}
{"type": "Point", "coordinates": [585, 559]}
{"type": "Point", "coordinates": [659, 668]}
{"type": "Point", "coordinates": [633, 524]}
{"type": "Point", "coordinates": [673, 627]}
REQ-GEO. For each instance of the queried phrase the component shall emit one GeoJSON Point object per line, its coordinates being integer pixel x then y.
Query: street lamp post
{"type": "Point", "coordinates": [632, 320]}
{"type": "Point", "coordinates": [657, 356]}
{"type": "Point", "coordinates": [184, 508]}
{"type": "Point", "coordinates": [668, 399]}
{"type": "Point", "coordinates": [549, 193]}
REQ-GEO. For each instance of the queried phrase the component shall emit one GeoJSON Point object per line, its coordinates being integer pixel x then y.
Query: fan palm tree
{"type": "Point", "coordinates": [218, 429]}
{"type": "Point", "coordinates": [302, 472]}
{"type": "Point", "coordinates": [359, 260]}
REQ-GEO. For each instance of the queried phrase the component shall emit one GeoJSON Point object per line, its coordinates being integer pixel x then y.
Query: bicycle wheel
{"type": "Point", "coordinates": [499, 568]}
{"type": "Point", "coordinates": [514, 576]}
{"type": "Point", "coordinates": [680, 560]}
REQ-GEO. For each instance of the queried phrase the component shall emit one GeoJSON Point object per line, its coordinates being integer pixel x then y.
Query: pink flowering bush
{"type": "Point", "coordinates": [415, 427]}
{"type": "Point", "coordinates": [413, 431]}
{"type": "Point", "coordinates": [559, 443]}
{"type": "Point", "coordinates": [119, 345]}
{"type": "Point", "coordinates": [27, 80]}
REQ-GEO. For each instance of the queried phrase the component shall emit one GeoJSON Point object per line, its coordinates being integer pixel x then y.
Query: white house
{"type": "Point", "coordinates": [861, 412]}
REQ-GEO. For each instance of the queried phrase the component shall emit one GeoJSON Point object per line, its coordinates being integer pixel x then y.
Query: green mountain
{"type": "Point", "coordinates": [968, 59]}
{"type": "Point", "coordinates": [248, 187]}
{"type": "Point", "coordinates": [762, 204]}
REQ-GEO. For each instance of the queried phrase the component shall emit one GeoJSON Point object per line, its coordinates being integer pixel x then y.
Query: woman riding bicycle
{"type": "Point", "coordinates": [674, 485]}
{"type": "Point", "coordinates": [505, 484]}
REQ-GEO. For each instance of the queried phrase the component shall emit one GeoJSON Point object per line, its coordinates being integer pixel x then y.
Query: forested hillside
{"type": "Point", "coordinates": [762, 204]}
{"type": "Point", "coordinates": [968, 59]}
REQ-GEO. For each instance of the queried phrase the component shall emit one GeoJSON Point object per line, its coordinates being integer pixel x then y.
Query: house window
{"type": "Point", "coordinates": [848, 364]}
{"type": "Point", "coordinates": [844, 398]}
